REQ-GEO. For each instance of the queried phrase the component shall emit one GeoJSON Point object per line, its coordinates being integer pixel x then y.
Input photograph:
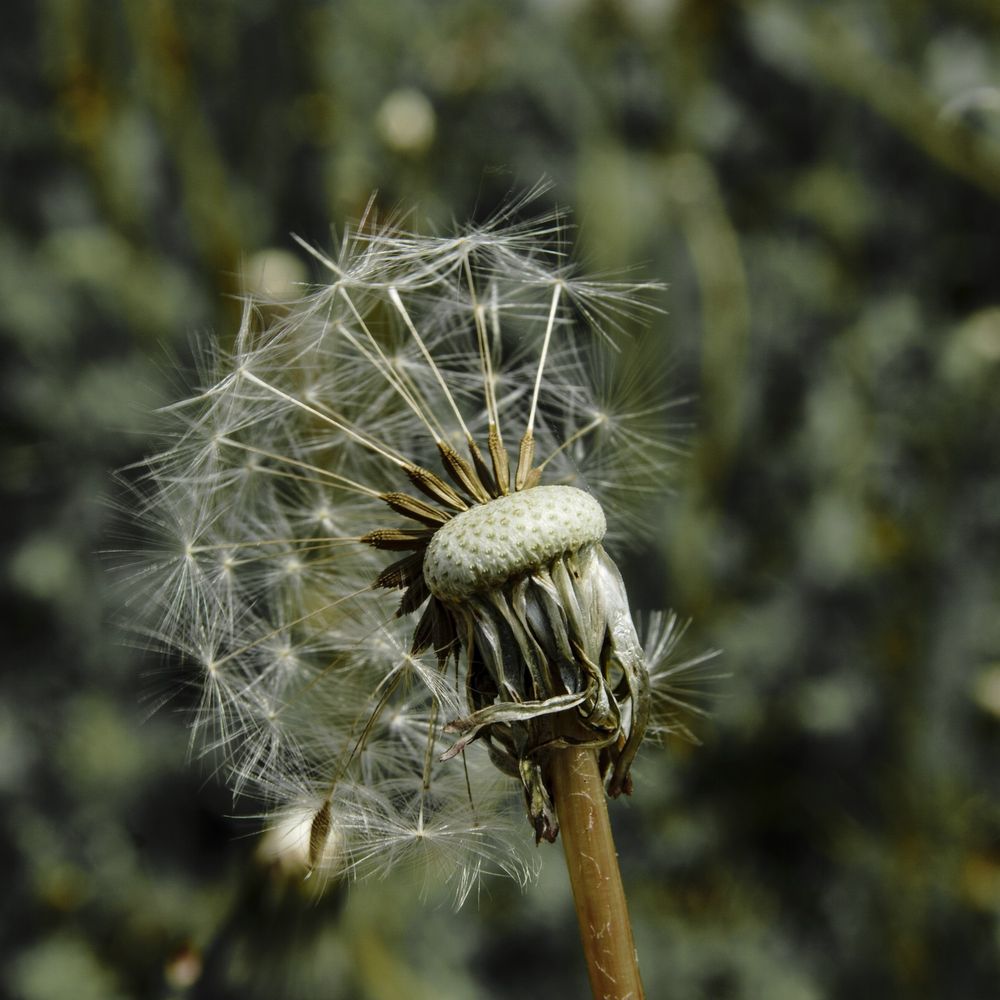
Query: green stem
{"type": "Point", "coordinates": [605, 929]}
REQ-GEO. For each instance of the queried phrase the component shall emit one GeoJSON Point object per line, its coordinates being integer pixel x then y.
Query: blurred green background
{"type": "Point", "coordinates": [820, 186]}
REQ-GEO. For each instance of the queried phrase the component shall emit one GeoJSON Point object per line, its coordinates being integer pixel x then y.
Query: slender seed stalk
{"type": "Point", "coordinates": [605, 929]}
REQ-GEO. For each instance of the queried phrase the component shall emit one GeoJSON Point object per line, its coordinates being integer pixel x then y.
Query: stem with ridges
{"type": "Point", "coordinates": [605, 929]}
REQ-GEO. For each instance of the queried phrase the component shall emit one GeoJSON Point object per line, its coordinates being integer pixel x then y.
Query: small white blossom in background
{"type": "Point", "coordinates": [379, 546]}
{"type": "Point", "coordinates": [406, 121]}
{"type": "Point", "coordinates": [273, 275]}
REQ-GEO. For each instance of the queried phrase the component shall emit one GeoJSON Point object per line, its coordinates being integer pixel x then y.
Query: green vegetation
{"type": "Point", "coordinates": [819, 185]}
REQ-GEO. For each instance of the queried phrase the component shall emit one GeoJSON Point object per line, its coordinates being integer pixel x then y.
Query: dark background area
{"type": "Point", "coordinates": [819, 184]}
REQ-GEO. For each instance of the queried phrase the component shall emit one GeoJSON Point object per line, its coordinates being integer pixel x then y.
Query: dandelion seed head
{"type": "Point", "coordinates": [378, 529]}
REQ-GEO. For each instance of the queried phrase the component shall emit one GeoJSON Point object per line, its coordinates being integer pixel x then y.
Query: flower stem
{"type": "Point", "coordinates": [605, 929]}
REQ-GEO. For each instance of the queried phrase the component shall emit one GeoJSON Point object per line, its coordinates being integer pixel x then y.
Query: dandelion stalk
{"type": "Point", "coordinates": [592, 862]}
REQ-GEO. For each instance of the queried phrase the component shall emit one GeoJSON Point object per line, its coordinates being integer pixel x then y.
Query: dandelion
{"type": "Point", "coordinates": [382, 522]}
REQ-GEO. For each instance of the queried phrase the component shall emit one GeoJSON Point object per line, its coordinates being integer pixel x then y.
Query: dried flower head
{"type": "Point", "coordinates": [427, 422]}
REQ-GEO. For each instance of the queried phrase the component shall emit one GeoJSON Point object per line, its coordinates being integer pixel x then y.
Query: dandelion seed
{"type": "Point", "coordinates": [385, 518]}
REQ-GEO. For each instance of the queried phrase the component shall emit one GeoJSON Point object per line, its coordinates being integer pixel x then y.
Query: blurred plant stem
{"type": "Point", "coordinates": [605, 929]}
{"type": "Point", "coordinates": [827, 44]}
{"type": "Point", "coordinates": [713, 243]}
{"type": "Point", "coordinates": [96, 110]}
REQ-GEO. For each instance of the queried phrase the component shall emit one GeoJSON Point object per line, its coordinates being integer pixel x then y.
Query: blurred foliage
{"type": "Point", "coordinates": [819, 183]}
